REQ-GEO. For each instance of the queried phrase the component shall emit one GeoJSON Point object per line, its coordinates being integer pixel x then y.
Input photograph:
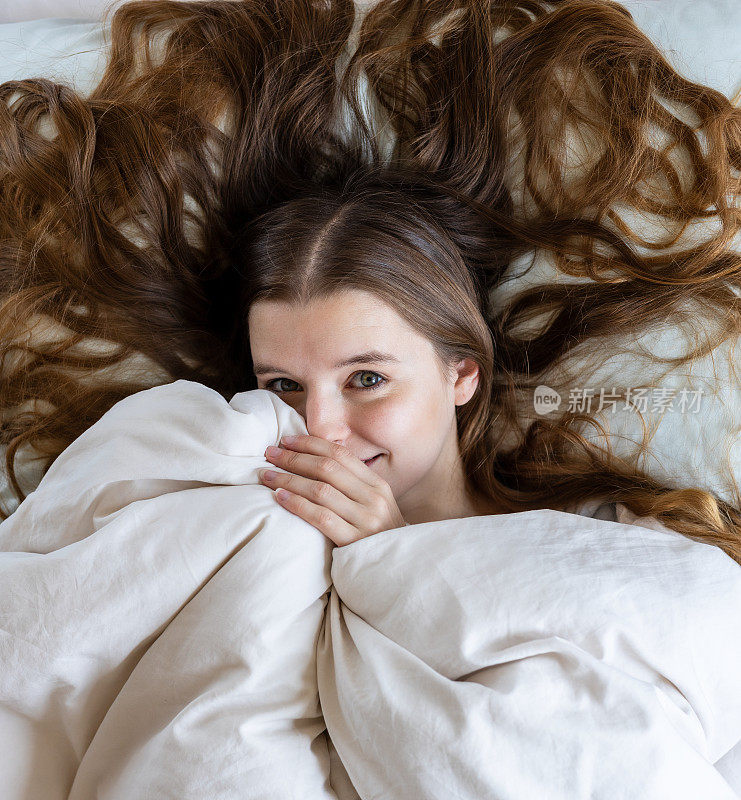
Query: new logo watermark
{"type": "Point", "coordinates": [546, 399]}
{"type": "Point", "coordinates": [643, 399]}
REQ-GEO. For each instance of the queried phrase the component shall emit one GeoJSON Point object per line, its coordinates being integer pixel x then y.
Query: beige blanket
{"type": "Point", "coordinates": [167, 630]}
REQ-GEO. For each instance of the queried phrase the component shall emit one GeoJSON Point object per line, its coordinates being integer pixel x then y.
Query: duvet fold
{"type": "Point", "coordinates": [167, 630]}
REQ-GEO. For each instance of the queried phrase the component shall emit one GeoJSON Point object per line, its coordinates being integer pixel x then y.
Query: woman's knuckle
{"type": "Point", "coordinates": [327, 466]}
{"type": "Point", "coordinates": [379, 508]}
{"type": "Point", "coordinates": [322, 491]}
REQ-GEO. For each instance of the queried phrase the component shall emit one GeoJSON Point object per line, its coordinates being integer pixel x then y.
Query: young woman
{"type": "Point", "coordinates": [226, 200]}
{"type": "Point", "coordinates": [382, 449]}
{"type": "Point", "coordinates": [400, 421]}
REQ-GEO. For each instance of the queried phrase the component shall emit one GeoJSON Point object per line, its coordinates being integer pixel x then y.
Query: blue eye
{"type": "Point", "coordinates": [380, 382]}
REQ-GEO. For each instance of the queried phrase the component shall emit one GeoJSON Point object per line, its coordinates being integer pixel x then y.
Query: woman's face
{"type": "Point", "coordinates": [401, 409]}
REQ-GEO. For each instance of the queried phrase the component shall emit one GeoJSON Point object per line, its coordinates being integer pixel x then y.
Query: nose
{"type": "Point", "coordinates": [326, 417]}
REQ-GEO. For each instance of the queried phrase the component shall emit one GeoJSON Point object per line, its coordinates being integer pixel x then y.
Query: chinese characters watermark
{"type": "Point", "coordinates": [582, 400]}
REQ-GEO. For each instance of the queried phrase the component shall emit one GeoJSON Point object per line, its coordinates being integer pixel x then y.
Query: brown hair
{"type": "Point", "coordinates": [200, 178]}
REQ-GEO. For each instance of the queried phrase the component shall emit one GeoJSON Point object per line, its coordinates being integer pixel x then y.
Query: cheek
{"type": "Point", "coordinates": [404, 421]}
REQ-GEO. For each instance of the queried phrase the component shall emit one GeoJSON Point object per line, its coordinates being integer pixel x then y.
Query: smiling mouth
{"type": "Point", "coordinates": [372, 460]}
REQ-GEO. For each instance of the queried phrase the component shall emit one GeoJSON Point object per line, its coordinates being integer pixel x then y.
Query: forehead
{"type": "Point", "coordinates": [345, 317]}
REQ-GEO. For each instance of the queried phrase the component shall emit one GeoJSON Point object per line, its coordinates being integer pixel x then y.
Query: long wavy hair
{"type": "Point", "coordinates": [237, 150]}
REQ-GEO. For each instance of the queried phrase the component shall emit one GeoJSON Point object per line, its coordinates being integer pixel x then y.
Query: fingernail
{"type": "Point", "coordinates": [288, 439]}
{"type": "Point", "coordinates": [271, 451]}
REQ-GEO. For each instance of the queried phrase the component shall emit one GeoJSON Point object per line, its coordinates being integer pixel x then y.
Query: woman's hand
{"type": "Point", "coordinates": [333, 490]}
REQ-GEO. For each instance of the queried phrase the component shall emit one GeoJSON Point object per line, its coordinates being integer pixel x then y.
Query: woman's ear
{"type": "Point", "coordinates": [466, 380]}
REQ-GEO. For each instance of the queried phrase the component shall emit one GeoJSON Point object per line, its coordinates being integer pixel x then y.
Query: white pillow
{"type": "Point", "coordinates": [42, 9]}
{"type": "Point", "coordinates": [701, 39]}
{"type": "Point", "coordinates": [69, 51]}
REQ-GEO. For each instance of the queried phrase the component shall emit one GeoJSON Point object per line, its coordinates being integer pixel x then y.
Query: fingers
{"type": "Point", "coordinates": [327, 522]}
{"type": "Point", "coordinates": [321, 447]}
{"type": "Point", "coordinates": [319, 494]}
{"type": "Point", "coordinates": [328, 487]}
{"type": "Point", "coordinates": [329, 463]}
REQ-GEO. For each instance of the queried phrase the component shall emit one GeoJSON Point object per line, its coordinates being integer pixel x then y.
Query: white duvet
{"type": "Point", "coordinates": [167, 630]}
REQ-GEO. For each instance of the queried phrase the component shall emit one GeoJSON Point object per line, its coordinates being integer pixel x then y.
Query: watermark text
{"type": "Point", "coordinates": [643, 399]}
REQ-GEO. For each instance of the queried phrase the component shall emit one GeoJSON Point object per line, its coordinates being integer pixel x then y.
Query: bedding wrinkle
{"type": "Point", "coordinates": [206, 641]}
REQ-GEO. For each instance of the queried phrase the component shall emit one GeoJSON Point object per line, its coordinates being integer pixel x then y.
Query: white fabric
{"type": "Point", "coordinates": [701, 39]}
{"type": "Point", "coordinates": [168, 630]}
{"type": "Point", "coordinates": [14, 11]}
{"type": "Point", "coordinates": [72, 52]}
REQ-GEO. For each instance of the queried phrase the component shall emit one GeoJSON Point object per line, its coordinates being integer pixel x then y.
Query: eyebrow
{"type": "Point", "coordinates": [371, 356]}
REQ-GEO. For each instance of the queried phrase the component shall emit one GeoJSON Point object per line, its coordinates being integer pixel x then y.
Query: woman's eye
{"type": "Point", "coordinates": [373, 385]}
{"type": "Point", "coordinates": [273, 384]}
